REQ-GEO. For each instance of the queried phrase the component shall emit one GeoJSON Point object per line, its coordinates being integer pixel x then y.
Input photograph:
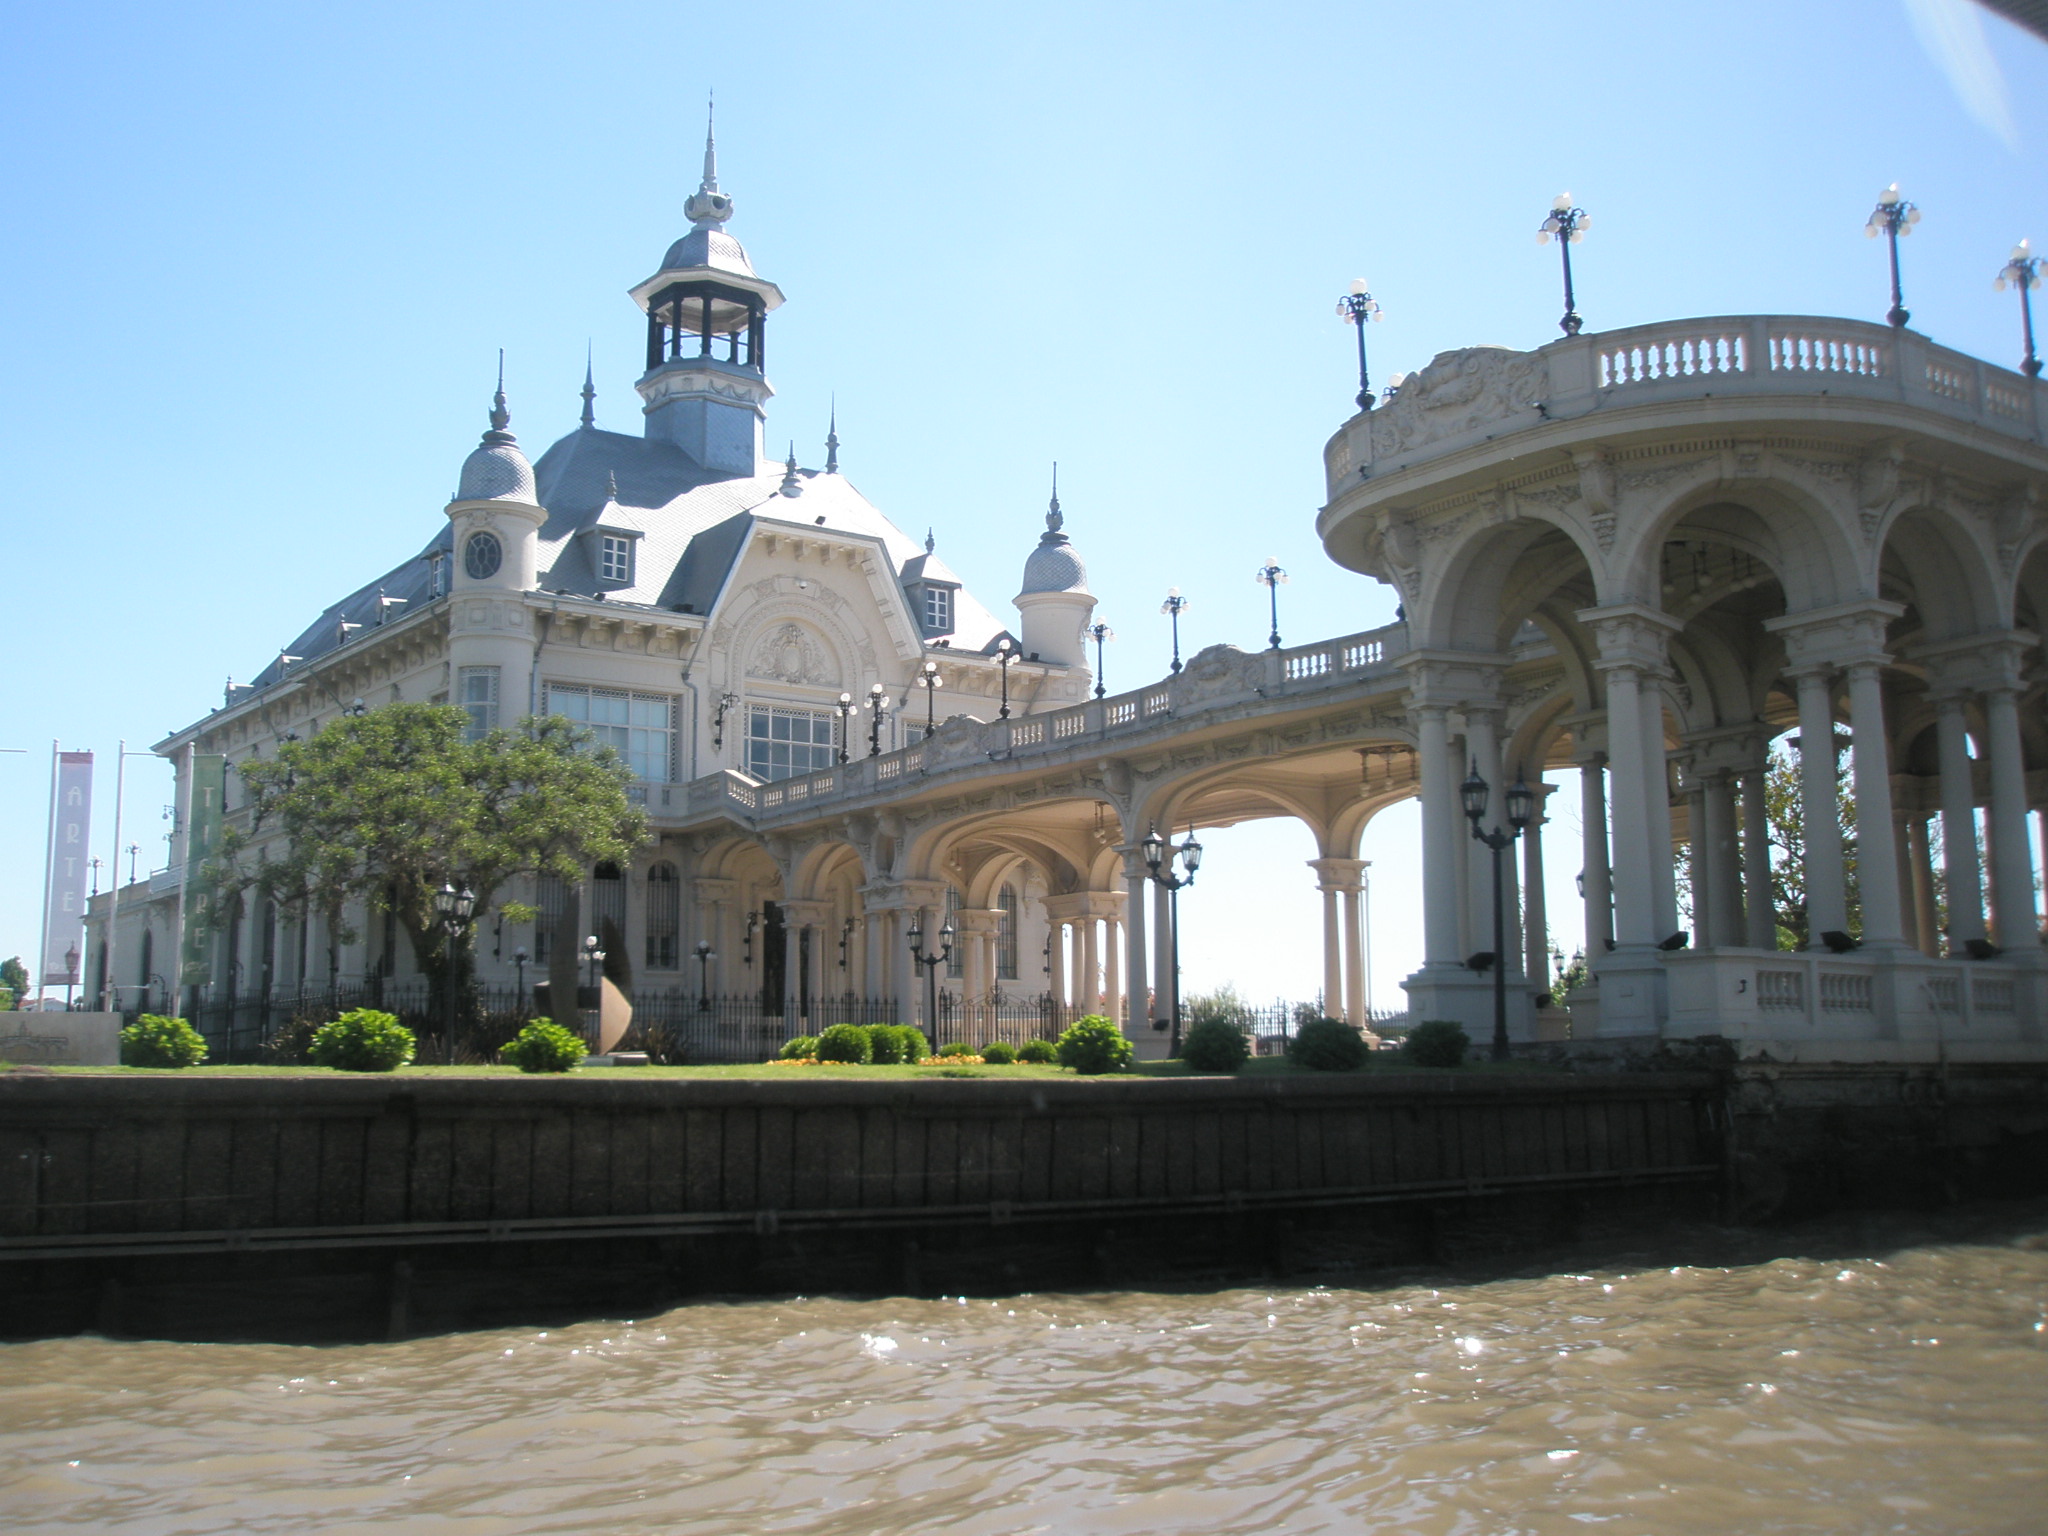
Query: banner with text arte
{"type": "Point", "coordinates": [202, 843]}
{"type": "Point", "coordinates": [64, 894]}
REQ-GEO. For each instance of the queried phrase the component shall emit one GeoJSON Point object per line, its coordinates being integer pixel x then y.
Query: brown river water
{"type": "Point", "coordinates": [1898, 1383]}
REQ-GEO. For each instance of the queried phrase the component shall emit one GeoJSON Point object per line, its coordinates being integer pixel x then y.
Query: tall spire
{"type": "Point", "coordinates": [832, 440]}
{"type": "Point", "coordinates": [1054, 521]}
{"type": "Point", "coordinates": [792, 483]}
{"type": "Point", "coordinates": [710, 182]}
{"type": "Point", "coordinates": [500, 417]}
{"type": "Point", "coordinates": [708, 207]}
{"type": "Point", "coordinates": [589, 390]}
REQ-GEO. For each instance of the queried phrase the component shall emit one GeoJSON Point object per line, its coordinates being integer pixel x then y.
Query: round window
{"type": "Point", "coordinates": [481, 556]}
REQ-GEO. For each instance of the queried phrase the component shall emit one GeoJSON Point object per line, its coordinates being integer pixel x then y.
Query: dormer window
{"type": "Point", "coordinates": [615, 559]}
{"type": "Point", "coordinates": [938, 610]}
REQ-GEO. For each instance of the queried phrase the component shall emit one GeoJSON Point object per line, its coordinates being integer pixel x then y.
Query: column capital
{"type": "Point", "coordinates": [1341, 875]}
{"type": "Point", "coordinates": [1975, 663]}
{"type": "Point", "coordinates": [1631, 635]}
{"type": "Point", "coordinates": [902, 895]}
{"type": "Point", "coordinates": [1450, 679]}
{"type": "Point", "coordinates": [1837, 635]}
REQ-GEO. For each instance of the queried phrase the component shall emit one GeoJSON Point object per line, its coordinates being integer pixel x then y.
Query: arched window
{"type": "Point", "coordinates": [1006, 933]}
{"type": "Point", "coordinates": [664, 917]}
{"type": "Point", "coordinates": [552, 898]}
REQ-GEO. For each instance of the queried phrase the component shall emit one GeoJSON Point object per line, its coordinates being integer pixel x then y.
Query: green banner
{"type": "Point", "coordinates": [202, 842]}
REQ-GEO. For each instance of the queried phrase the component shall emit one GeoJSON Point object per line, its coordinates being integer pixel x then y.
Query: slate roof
{"type": "Point", "coordinates": [695, 525]}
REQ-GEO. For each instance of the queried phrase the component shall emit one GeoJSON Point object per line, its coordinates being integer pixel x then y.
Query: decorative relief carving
{"type": "Point", "coordinates": [789, 655]}
{"type": "Point", "coordinates": [1456, 393]}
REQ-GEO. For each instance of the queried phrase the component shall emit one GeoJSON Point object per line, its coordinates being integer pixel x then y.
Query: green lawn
{"type": "Point", "coordinates": [1261, 1066]}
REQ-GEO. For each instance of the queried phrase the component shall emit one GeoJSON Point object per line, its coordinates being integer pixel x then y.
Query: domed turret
{"type": "Point", "coordinates": [496, 512]}
{"type": "Point", "coordinates": [496, 470]}
{"type": "Point", "coordinates": [1055, 603]}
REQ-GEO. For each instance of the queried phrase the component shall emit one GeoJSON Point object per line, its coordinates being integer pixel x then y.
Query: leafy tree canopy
{"type": "Point", "coordinates": [14, 977]}
{"type": "Point", "coordinates": [389, 806]}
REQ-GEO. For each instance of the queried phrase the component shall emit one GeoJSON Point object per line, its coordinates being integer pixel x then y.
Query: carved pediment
{"type": "Point", "coordinates": [1456, 393]}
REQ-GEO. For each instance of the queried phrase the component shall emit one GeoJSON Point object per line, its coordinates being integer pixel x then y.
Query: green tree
{"type": "Point", "coordinates": [14, 977]}
{"type": "Point", "coordinates": [1785, 822]}
{"type": "Point", "coordinates": [389, 806]}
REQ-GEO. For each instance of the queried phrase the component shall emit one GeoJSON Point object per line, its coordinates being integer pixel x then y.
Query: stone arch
{"type": "Point", "coordinates": [1467, 606]}
{"type": "Point", "coordinates": [1789, 526]}
{"type": "Point", "coordinates": [1936, 563]}
{"type": "Point", "coordinates": [822, 866]}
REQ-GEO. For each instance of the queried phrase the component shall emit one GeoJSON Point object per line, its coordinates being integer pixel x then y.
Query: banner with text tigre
{"type": "Point", "coordinates": [64, 897]}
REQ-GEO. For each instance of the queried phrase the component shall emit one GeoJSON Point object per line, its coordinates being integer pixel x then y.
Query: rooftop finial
{"type": "Point", "coordinates": [832, 440]}
{"type": "Point", "coordinates": [708, 205]}
{"type": "Point", "coordinates": [589, 390]}
{"type": "Point", "coordinates": [710, 183]}
{"type": "Point", "coordinates": [500, 417]}
{"type": "Point", "coordinates": [930, 541]}
{"type": "Point", "coordinates": [1053, 519]}
{"type": "Point", "coordinates": [791, 484]}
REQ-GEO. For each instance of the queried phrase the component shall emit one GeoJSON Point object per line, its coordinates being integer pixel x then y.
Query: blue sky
{"type": "Point", "coordinates": [259, 260]}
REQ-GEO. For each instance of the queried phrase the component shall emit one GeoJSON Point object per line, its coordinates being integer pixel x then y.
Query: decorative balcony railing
{"type": "Point", "coordinates": [1270, 678]}
{"type": "Point", "coordinates": [1475, 395]}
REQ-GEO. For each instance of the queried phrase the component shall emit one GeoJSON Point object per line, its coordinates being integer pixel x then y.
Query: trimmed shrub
{"type": "Point", "coordinates": [1214, 1045]}
{"type": "Point", "coordinates": [798, 1048]}
{"type": "Point", "coordinates": [155, 1041]}
{"type": "Point", "coordinates": [956, 1048]}
{"type": "Point", "coordinates": [544, 1046]}
{"type": "Point", "coordinates": [1436, 1043]}
{"type": "Point", "coordinates": [885, 1044]}
{"type": "Point", "coordinates": [1038, 1052]}
{"type": "Point", "coordinates": [846, 1042]}
{"type": "Point", "coordinates": [1327, 1045]}
{"type": "Point", "coordinates": [997, 1054]}
{"type": "Point", "coordinates": [1092, 1045]}
{"type": "Point", "coordinates": [362, 1040]}
{"type": "Point", "coordinates": [915, 1046]}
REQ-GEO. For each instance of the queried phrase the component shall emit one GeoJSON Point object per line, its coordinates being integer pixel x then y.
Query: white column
{"type": "Point", "coordinates": [1162, 937]}
{"type": "Point", "coordinates": [1634, 920]}
{"type": "Point", "coordinates": [1535, 918]}
{"type": "Point", "coordinates": [1482, 750]}
{"type": "Point", "coordinates": [1827, 904]}
{"type": "Point", "coordinates": [2012, 854]}
{"type": "Point", "coordinates": [1599, 894]}
{"type": "Point", "coordinates": [1920, 858]}
{"type": "Point", "coordinates": [1963, 878]}
{"type": "Point", "coordinates": [1759, 912]}
{"type": "Point", "coordinates": [1091, 968]}
{"type": "Point", "coordinates": [1357, 1007]}
{"type": "Point", "coordinates": [1439, 850]}
{"type": "Point", "coordinates": [1333, 953]}
{"type": "Point", "coordinates": [1870, 767]}
{"type": "Point", "coordinates": [1657, 809]}
{"type": "Point", "coordinates": [1724, 860]}
{"type": "Point", "coordinates": [1136, 881]}
{"type": "Point", "coordinates": [1056, 983]}
{"type": "Point", "coordinates": [1698, 867]}
{"type": "Point", "coordinates": [1112, 969]}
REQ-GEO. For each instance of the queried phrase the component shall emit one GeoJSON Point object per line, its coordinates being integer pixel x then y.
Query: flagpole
{"type": "Point", "coordinates": [49, 871]}
{"type": "Point", "coordinates": [112, 942]}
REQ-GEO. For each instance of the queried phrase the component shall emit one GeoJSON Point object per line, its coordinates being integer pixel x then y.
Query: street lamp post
{"type": "Point", "coordinates": [1099, 632]}
{"type": "Point", "coordinates": [1521, 803]}
{"type": "Point", "coordinates": [1174, 606]}
{"type": "Point", "coordinates": [1893, 216]}
{"type": "Point", "coordinates": [519, 959]}
{"type": "Point", "coordinates": [1006, 658]}
{"type": "Point", "coordinates": [1159, 856]}
{"type": "Point", "coordinates": [846, 708]}
{"type": "Point", "coordinates": [1569, 224]}
{"type": "Point", "coordinates": [593, 957]}
{"type": "Point", "coordinates": [2023, 271]}
{"type": "Point", "coordinates": [931, 963]}
{"type": "Point", "coordinates": [453, 908]}
{"type": "Point", "coordinates": [878, 704]}
{"type": "Point", "coordinates": [929, 680]}
{"type": "Point", "coordinates": [1356, 308]}
{"type": "Point", "coordinates": [705, 955]}
{"type": "Point", "coordinates": [1272, 578]}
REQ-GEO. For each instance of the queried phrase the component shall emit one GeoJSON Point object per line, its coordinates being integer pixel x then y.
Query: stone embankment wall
{"type": "Point", "coordinates": [353, 1206]}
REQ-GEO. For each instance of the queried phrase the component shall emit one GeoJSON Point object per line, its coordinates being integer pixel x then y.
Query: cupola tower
{"type": "Point", "coordinates": [1055, 603]}
{"type": "Point", "coordinates": [706, 388]}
